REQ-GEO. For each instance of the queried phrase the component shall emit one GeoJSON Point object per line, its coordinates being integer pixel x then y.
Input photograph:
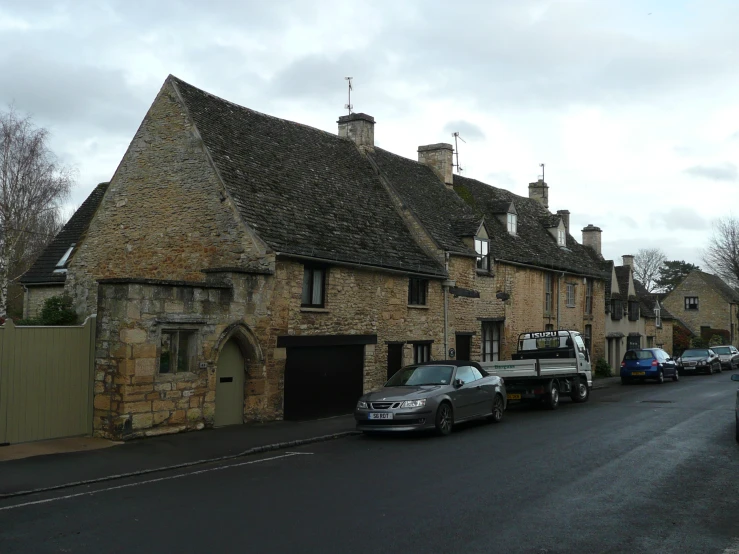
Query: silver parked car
{"type": "Point", "coordinates": [728, 355]}
{"type": "Point", "coordinates": [432, 395]}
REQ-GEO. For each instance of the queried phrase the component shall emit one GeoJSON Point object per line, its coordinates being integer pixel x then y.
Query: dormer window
{"type": "Point", "coordinates": [483, 254]}
{"type": "Point", "coordinates": [512, 223]}
{"type": "Point", "coordinates": [61, 265]}
{"type": "Point", "coordinates": [658, 316]}
{"type": "Point", "coordinates": [561, 237]}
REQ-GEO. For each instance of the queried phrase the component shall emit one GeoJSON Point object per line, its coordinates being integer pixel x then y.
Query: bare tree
{"type": "Point", "coordinates": [647, 263]}
{"type": "Point", "coordinates": [722, 254]}
{"type": "Point", "coordinates": [32, 186]}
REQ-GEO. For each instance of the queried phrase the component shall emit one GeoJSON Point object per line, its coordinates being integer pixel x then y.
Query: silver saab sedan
{"type": "Point", "coordinates": [432, 395]}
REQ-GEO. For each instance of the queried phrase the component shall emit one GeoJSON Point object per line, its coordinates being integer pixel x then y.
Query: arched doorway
{"type": "Point", "coordinates": [230, 385]}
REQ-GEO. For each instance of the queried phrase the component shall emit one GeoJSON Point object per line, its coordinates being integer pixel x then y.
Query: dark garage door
{"type": "Point", "coordinates": [322, 381]}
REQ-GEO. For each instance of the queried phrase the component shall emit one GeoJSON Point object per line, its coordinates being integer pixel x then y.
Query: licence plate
{"type": "Point", "coordinates": [381, 416]}
{"type": "Point", "coordinates": [514, 396]}
{"type": "Point", "coordinates": [637, 373]}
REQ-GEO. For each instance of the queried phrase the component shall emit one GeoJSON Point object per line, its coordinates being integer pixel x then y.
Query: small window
{"type": "Point", "coordinates": [512, 223]}
{"type": "Point", "coordinates": [483, 254]}
{"type": "Point", "coordinates": [617, 310]}
{"type": "Point", "coordinates": [417, 291]}
{"type": "Point", "coordinates": [589, 297]}
{"type": "Point", "coordinates": [61, 266]}
{"type": "Point", "coordinates": [658, 316]}
{"type": "Point", "coordinates": [549, 327]}
{"type": "Point", "coordinates": [490, 342]}
{"type": "Point", "coordinates": [178, 351]}
{"type": "Point", "coordinates": [314, 281]}
{"type": "Point", "coordinates": [634, 310]}
{"type": "Point", "coordinates": [691, 302]}
{"type": "Point", "coordinates": [548, 290]}
{"type": "Point", "coordinates": [421, 353]}
{"type": "Point", "coordinates": [570, 295]}
{"type": "Point", "coordinates": [633, 342]}
{"type": "Point", "coordinates": [561, 237]}
{"type": "Point", "coordinates": [650, 342]}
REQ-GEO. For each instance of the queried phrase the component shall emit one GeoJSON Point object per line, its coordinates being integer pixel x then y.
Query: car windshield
{"type": "Point", "coordinates": [638, 355]}
{"type": "Point", "coordinates": [722, 350]}
{"type": "Point", "coordinates": [421, 375]}
{"type": "Point", "coordinates": [695, 353]}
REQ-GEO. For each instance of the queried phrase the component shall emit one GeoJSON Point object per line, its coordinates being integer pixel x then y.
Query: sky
{"type": "Point", "coordinates": [632, 105]}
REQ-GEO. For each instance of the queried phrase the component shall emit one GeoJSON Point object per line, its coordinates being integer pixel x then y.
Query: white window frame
{"type": "Point", "coordinates": [658, 316]}
{"type": "Point", "coordinates": [512, 220]}
{"type": "Point", "coordinates": [570, 295]}
{"type": "Point", "coordinates": [61, 265]}
{"type": "Point", "coordinates": [589, 297]}
{"type": "Point", "coordinates": [561, 237]}
{"type": "Point", "coordinates": [482, 247]}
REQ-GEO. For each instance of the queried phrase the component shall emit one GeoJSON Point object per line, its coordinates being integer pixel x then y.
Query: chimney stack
{"type": "Point", "coordinates": [565, 215]}
{"type": "Point", "coordinates": [591, 237]}
{"type": "Point", "coordinates": [628, 260]}
{"type": "Point", "coordinates": [358, 127]}
{"type": "Point", "coordinates": [439, 157]}
{"type": "Point", "coordinates": [540, 191]}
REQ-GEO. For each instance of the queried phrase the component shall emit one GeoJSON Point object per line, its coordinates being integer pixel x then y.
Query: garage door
{"type": "Point", "coordinates": [322, 381]}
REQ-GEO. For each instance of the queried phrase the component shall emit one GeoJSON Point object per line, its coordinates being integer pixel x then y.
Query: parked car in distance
{"type": "Point", "coordinates": [432, 395]}
{"type": "Point", "coordinates": [735, 377]}
{"type": "Point", "coordinates": [648, 363]}
{"type": "Point", "coordinates": [728, 355]}
{"type": "Point", "coordinates": [699, 360]}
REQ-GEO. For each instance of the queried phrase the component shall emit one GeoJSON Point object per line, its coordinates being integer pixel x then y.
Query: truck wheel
{"type": "Point", "coordinates": [552, 401]}
{"type": "Point", "coordinates": [444, 419]}
{"type": "Point", "coordinates": [581, 392]}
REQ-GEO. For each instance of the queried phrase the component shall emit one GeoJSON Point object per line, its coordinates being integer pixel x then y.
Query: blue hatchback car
{"type": "Point", "coordinates": [648, 363]}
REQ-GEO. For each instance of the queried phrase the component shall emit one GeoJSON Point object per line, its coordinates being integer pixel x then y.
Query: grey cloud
{"type": "Point", "coordinates": [719, 172]}
{"type": "Point", "coordinates": [679, 218]}
{"type": "Point", "coordinates": [465, 129]}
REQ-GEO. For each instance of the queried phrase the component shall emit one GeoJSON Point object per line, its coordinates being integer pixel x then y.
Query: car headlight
{"type": "Point", "coordinates": [361, 405]}
{"type": "Point", "coordinates": [702, 362]}
{"type": "Point", "coordinates": [414, 403]}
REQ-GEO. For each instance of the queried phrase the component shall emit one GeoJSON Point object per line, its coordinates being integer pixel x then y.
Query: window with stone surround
{"type": "Point", "coordinates": [691, 302]}
{"type": "Point", "coordinates": [421, 352]}
{"type": "Point", "coordinates": [570, 295]}
{"type": "Point", "coordinates": [634, 311]}
{"type": "Point", "coordinates": [589, 297]}
{"type": "Point", "coordinates": [548, 291]}
{"type": "Point", "coordinates": [658, 316]}
{"type": "Point", "coordinates": [483, 254]}
{"type": "Point", "coordinates": [561, 237]}
{"type": "Point", "coordinates": [314, 284]}
{"type": "Point", "coordinates": [512, 223]}
{"type": "Point", "coordinates": [490, 341]}
{"type": "Point", "coordinates": [617, 309]}
{"type": "Point", "coordinates": [417, 289]}
{"type": "Point", "coordinates": [178, 351]}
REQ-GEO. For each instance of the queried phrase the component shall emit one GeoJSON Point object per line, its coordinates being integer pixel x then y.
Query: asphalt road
{"type": "Point", "coordinates": [645, 468]}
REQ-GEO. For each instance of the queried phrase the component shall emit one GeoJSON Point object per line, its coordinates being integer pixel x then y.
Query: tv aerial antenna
{"type": "Point", "coordinates": [541, 165]}
{"type": "Point", "coordinates": [348, 106]}
{"type": "Point", "coordinates": [456, 136]}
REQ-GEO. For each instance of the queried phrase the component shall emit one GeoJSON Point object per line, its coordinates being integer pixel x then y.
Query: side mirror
{"type": "Point", "coordinates": [458, 383]}
{"type": "Point", "coordinates": [735, 377]}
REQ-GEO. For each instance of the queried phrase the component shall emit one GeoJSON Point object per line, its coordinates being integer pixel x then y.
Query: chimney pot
{"type": "Point", "coordinates": [358, 127]}
{"type": "Point", "coordinates": [439, 157]}
{"type": "Point", "coordinates": [628, 260]}
{"type": "Point", "coordinates": [591, 237]}
{"type": "Point", "coordinates": [540, 191]}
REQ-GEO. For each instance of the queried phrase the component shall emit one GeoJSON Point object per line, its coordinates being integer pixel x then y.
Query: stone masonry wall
{"type": "Point", "coordinates": [713, 309]}
{"type": "Point", "coordinates": [132, 398]}
{"type": "Point", "coordinates": [164, 215]}
{"type": "Point", "coordinates": [35, 297]}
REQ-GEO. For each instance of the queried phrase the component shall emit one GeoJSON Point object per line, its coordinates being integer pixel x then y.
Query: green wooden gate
{"type": "Point", "coordinates": [46, 381]}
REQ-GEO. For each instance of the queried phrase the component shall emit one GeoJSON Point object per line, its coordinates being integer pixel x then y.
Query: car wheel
{"type": "Point", "coordinates": [676, 376]}
{"type": "Point", "coordinates": [720, 368]}
{"type": "Point", "coordinates": [496, 416]}
{"type": "Point", "coordinates": [444, 419]}
{"type": "Point", "coordinates": [581, 392]}
{"type": "Point", "coordinates": [661, 377]}
{"type": "Point", "coordinates": [552, 401]}
{"type": "Point", "coordinates": [625, 381]}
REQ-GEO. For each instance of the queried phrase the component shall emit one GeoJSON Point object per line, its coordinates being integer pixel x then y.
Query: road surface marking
{"type": "Point", "coordinates": [171, 477]}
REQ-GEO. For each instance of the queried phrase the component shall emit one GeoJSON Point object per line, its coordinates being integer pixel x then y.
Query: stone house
{"type": "Point", "coordinates": [658, 321]}
{"type": "Point", "coordinates": [284, 270]}
{"type": "Point", "coordinates": [703, 301]}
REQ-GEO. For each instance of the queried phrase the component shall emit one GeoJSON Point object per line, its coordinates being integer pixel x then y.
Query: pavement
{"type": "Point", "coordinates": [640, 469]}
{"type": "Point", "coordinates": [29, 467]}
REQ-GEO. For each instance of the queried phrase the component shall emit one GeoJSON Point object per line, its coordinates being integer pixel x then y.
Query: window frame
{"type": "Point", "coordinates": [588, 296]}
{"type": "Point", "coordinates": [417, 291]}
{"type": "Point", "coordinates": [512, 223]}
{"type": "Point", "coordinates": [689, 305]}
{"type": "Point", "coordinates": [658, 317]}
{"type": "Point", "coordinates": [311, 270]}
{"type": "Point", "coordinates": [176, 335]}
{"type": "Point", "coordinates": [421, 350]}
{"type": "Point", "coordinates": [570, 295]}
{"type": "Point", "coordinates": [490, 341]}
{"type": "Point", "coordinates": [548, 293]}
{"type": "Point", "coordinates": [634, 310]}
{"type": "Point", "coordinates": [561, 237]}
{"type": "Point", "coordinates": [483, 260]}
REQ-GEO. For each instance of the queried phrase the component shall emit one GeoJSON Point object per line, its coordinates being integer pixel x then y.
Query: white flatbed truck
{"type": "Point", "coordinates": [547, 364]}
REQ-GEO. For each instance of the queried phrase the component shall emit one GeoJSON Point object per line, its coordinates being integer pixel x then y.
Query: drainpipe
{"type": "Point", "coordinates": [559, 296]}
{"type": "Point", "coordinates": [446, 308]}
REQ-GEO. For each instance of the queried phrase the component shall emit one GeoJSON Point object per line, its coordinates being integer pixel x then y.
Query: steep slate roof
{"type": "Point", "coordinates": [304, 191]}
{"type": "Point", "coordinates": [622, 276]}
{"type": "Point", "coordinates": [444, 214]}
{"type": "Point", "coordinates": [729, 294]}
{"type": "Point", "coordinates": [42, 270]}
{"type": "Point", "coordinates": [648, 301]}
{"type": "Point", "coordinates": [533, 244]}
